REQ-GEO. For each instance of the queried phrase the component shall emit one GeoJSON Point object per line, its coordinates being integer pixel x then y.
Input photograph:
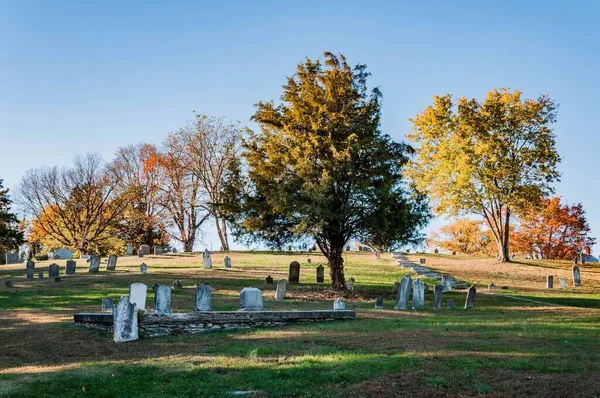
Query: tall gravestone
{"type": "Point", "coordinates": [294, 272]}
{"type": "Point", "coordinates": [111, 264]}
{"type": "Point", "coordinates": [125, 324]}
{"type": "Point", "coordinates": [162, 299]}
{"type": "Point", "coordinates": [470, 301]}
{"type": "Point", "coordinates": [549, 282]}
{"type": "Point", "coordinates": [576, 276]}
{"type": "Point", "coordinates": [437, 297]}
{"type": "Point", "coordinates": [53, 270]}
{"type": "Point", "coordinates": [30, 267]}
{"type": "Point", "coordinates": [418, 302]}
{"type": "Point", "coordinates": [251, 299]}
{"type": "Point", "coordinates": [71, 267]}
{"type": "Point", "coordinates": [143, 269]}
{"type": "Point", "coordinates": [207, 259]}
{"type": "Point", "coordinates": [281, 289]}
{"type": "Point", "coordinates": [140, 253]}
{"type": "Point", "coordinates": [94, 263]}
{"type": "Point", "coordinates": [137, 295]}
{"type": "Point", "coordinates": [227, 262]}
{"type": "Point", "coordinates": [203, 297]}
{"type": "Point", "coordinates": [403, 293]}
{"type": "Point", "coordinates": [320, 274]}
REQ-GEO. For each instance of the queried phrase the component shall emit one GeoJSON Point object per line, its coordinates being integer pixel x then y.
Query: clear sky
{"type": "Point", "coordinates": [81, 76]}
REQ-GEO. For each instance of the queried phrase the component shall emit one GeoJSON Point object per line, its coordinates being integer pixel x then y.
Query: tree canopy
{"type": "Point", "coordinates": [10, 234]}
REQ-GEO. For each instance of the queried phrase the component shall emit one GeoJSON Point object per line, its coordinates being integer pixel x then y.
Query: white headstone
{"type": "Point", "coordinates": [203, 297]}
{"type": "Point", "coordinates": [281, 289]}
{"type": "Point", "coordinates": [338, 305]}
{"type": "Point", "coordinates": [162, 299]}
{"type": "Point", "coordinates": [251, 299]}
{"type": "Point", "coordinates": [418, 295]}
{"type": "Point", "coordinates": [137, 295]}
{"type": "Point", "coordinates": [207, 259]}
{"type": "Point", "coordinates": [125, 321]}
{"type": "Point", "coordinates": [563, 283]}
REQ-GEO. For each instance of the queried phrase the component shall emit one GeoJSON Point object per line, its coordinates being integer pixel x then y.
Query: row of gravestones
{"type": "Point", "coordinates": [207, 260]}
{"type": "Point", "coordinates": [418, 295]}
{"type": "Point", "coordinates": [563, 281]}
{"type": "Point", "coordinates": [294, 273]}
{"type": "Point", "coordinates": [144, 250]}
{"type": "Point", "coordinates": [71, 267]}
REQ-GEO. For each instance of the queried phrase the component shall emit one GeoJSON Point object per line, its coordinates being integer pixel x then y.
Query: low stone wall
{"type": "Point", "coordinates": [154, 325]}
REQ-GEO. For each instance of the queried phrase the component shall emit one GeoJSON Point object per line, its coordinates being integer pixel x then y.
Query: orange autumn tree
{"type": "Point", "coordinates": [465, 236]}
{"type": "Point", "coordinates": [553, 231]}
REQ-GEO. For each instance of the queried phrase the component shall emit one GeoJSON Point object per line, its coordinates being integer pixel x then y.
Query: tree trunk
{"type": "Point", "coordinates": [222, 232]}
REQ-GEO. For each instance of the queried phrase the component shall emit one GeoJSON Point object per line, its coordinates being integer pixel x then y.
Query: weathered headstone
{"type": "Point", "coordinates": [403, 293]}
{"type": "Point", "coordinates": [227, 262]}
{"type": "Point", "coordinates": [12, 258]}
{"type": "Point", "coordinates": [107, 304]}
{"type": "Point", "coordinates": [158, 250]}
{"type": "Point", "coordinates": [576, 276]}
{"type": "Point", "coordinates": [422, 261]}
{"type": "Point", "coordinates": [281, 289]}
{"type": "Point", "coordinates": [451, 304]}
{"type": "Point", "coordinates": [470, 301]}
{"type": "Point", "coordinates": [437, 297]}
{"type": "Point", "coordinates": [203, 297]}
{"type": "Point", "coordinates": [137, 295]}
{"type": "Point", "coordinates": [206, 258]}
{"type": "Point", "coordinates": [129, 250]}
{"type": "Point", "coordinates": [563, 283]}
{"type": "Point", "coordinates": [418, 301]}
{"type": "Point", "coordinates": [71, 267]}
{"type": "Point", "coordinates": [549, 282]}
{"type": "Point", "coordinates": [294, 272]}
{"type": "Point", "coordinates": [350, 284]}
{"type": "Point", "coordinates": [162, 299]}
{"type": "Point", "coordinates": [177, 284]}
{"type": "Point", "coordinates": [41, 275]}
{"type": "Point", "coordinates": [94, 263]}
{"type": "Point", "coordinates": [269, 280]}
{"type": "Point", "coordinates": [53, 270]}
{"type": "Point", "coordinates": [143, 269]}
{"type": "Point", "coordinates": [140, 253]}
{"type": "Point", "coordinates": [251, 299]}
{"type": "Point", "coordinates": [338, 305]}
{"type": "Point", "coordinates": [308, 260]}
{"type": "Point", "coordinates": [125, 326]}
{"type": "Point", "coordinates": [436, 251]}
{"type": "Point", "coordinates": [63, 254]}
{"type": "Point", "coordinates": [377, 254]}
{"type": "Point", "coordinates": [582, 258]}
{"type": "Point", "coordinates": [320, 274]}
{"type": "Point", "coordinates": [145, 249]}
{"type": "Point", "coordinates": [111, 264]}
{"type": "Point", "coordinates": [447, 283]}
{"type": "Point", "coordinates": [379, 302]}
{"type": "Point", "coordinates": [491, 286]}
{"type": "Point", "coordinates": [30, 267]}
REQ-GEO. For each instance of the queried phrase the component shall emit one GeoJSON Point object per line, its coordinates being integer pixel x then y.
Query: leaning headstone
{"type": "Point", "coordinates": [294, 272]}
{"type": "Point", "coordinates": [281, 289]}
{"type": "Point", "coordinates": [71, 267]}
{"type": "Point", "coordinates": [145, 249]}
{"type": "Point", "coordinates": [111, 264]}
{"type": "Point", "coordinates": [137, 295]}
{"type": "Point", "coordinates": [227, 262]}
{"type": "Point", "coordinates": [162, 299]}
{"type": "Point", "coordinates": [422, 261]}
{"type": "Point", "coordinates": [107, 304]}
{"type": "Point", "coordinates": [549, 282]}
{"type": "Point", "coordinates": [125, 326]}
{"type": "Point", "coordinates": [418, 301]}
{"type": "Point", "coordinates": [203, 297]}
{"type": "Point", "coordinates": [94, 263]}
{"type": "Point", "coordinates": [403, 293]}
{"type": "Point", "coordinates": [451, 304]}
{"type": "Point", "coordinates": [563, 283]}
{"type": "Point", "coordinates": [41, 275]}
{"type": "Point", "coordinates": [470, 301]}
{"type": "Point", "coordinates": [320, 274]}
{"type": "Point", "coordinates": [269, 280]}
{"type": "Point", "coordinates": [576, 276]}
{"type": "Point", "coordinates": [251, 299]}
{"type": "Point", "coordinates": [30, 267]}
{"type": "Point", "coordinates": [129, 250]}
{"type": "Point", "coordinates": [143, 269]}
{"type": "Point", "coordinates": [379, 302]}
{"type": "Point", "coordinates": [53, 270]}
{"type": "Point", "coordinates": [350, 284]}
{"type": "Point", "coordinates": [140, 253]}
{"type": "Point", "coordinates": [207, 259]}
{"type": "Point", "coordinates": [447, 283]}
{"type": "Point", "coordinates": [437, 297]}
{"type": "Point", "coordinates": [338, 305]}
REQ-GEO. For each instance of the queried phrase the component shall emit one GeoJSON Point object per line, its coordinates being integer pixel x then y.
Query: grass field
{"type": "Point", "coordinates": [522, 341]}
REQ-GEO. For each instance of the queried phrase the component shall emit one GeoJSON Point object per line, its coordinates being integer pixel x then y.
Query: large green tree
{"type": "Point", "coordinates": [10, 235]}
{"type": "Point", "coordinates": [493, 158]}
{"type": "Point", "coordinates": [321, 168]}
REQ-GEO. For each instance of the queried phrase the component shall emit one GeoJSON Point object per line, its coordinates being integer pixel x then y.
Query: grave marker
{"type": "Point", "coordinates": [107, 304]}
{"type": "Point", "coordinates": [137, 295]}
{"type": "Point", "coordinates": [338, 305]}
{"type": "Point", "coordinates": [162, 299]}
{"type": "Point", "coordinates": [403, 293]}
{"type": "Point", "coordinates": [418, 301]}
{"type": "Point", "coordinates": [563, 283]}
{"type": "Point", "coordinates": [227, 262]}
{"type": "Point", "coordinates": [549, 282]}
{"type": "Point", "coordinates": [251, 299]}
{"type": "Point", "coordinates": [53, 270]}
{"type": "Point", "coordinates": [294, 272]}
{"type": "Point", "coordinates": [125, 321]}
{"type": "Point", "coordinates": [437, 297]}
{"type": "Point", "coordinates": [206, 258]}
{"type": "Point", "coordinates": [281, 289]}
{"type": "Point", "coordinates": [111, 264]}
{"type": "Point", "coordinates": [71, 267]}
{"type": "Point", "coordinates": [203, 297]}
{"type": "Point", "coordinates": [320, 274]}
{"type": "Point", "coordinates": [379, 302]}
{"type": "Point", "coordinates": [576, 276]}
{"type": "Point", "coordinates": [143, 269]}
{"type": "Point", "coordinates": [94, 263]}
{"type": "Point", "coordinates": [470, 301]}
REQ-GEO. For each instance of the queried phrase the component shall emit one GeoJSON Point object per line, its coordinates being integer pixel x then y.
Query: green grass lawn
{"type": "Point", "coordinates": [502, 347]}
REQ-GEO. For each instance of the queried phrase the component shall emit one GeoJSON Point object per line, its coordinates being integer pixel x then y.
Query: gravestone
{"type": "Point", "coordinates": [203, 297]}
{"type": "Point", "coordinates": [129, 250]}
{"type": "Point", "coordinates": [207, 259]}
{"type": "Point", "coordinates": [140, 253]}
{"type": "Point", "coordinates": [422, 261]}
{"type": "Point", "coordinates": [158, 250]}
{"type": "Point", "coordinates": [470, 301]}
{"type": "Point", "coordinates": [177, 284]}
{"type": "Point", "coordinates": [549, 282]}
{"type": "Point", "coordinates": [563, 283]}
{"type": "Point", "coordinates": [308, 260]}
{"type": "Point", "coordinates": [84, 256]}
{"type": "Point", "coordinates": [107, 304]}
{"type": "Point", "coordinates": [63, 254]}
{"type": "Point", "coordinates": [576, 276]}
{"type": "Point", "coordinates": [294, 272]}
{"type": "Point", "coordinates": [162, 299]}
{"type": "Point", "coordinates": [174, 250]}
{"type": "Point", "coordinates": [403, 293]}
{"type": "Point", "coordinates": [251, 299]}
{"type": "Point", "coordinates": [53, 270]}
{"type": "Point", "coordinates": [447, 283]}
{"type": "Point", "coordinates": [125, 326]}
{"type": "Point", "coordinates": [8, 284]}
{"type": "Point", "coordinates": [451, 304]}
{"type": "Point", "coordinates": [111, 264]}
{"type": "Point", "coordinates": [350, 284]}
{"type": "Point", "coordinates": [41, 275]}
{"type": "Point", "coordinates": [30, 267]}
{"type": "Point", "coordinates": [94, 263]}
{"type": "Point", "coordinates": [418, 301]}
{"type": "Point", "coordinates": [227, 262]}
{"type": "Point", "coordinates": [436, 251]}
{"type": "Point", "coordinates": [71, 267]}
{"type": "Point", "coordinates": [377, 254]}
{"type": "Point", "coordinates": [145, 249]}
{"type": "Point", "coordinates": [281, 289]}
{"type": "Point", "coordinates": [437, 297]}
{"type": "Point", "coordinates": [491, 286]}
{"type": "Point", "coordinates": [137, 295]}
{"type": "Point", "coordinates": [12, 258]}
{"type": "Point", "coordinates": [269, 280]}
{"type": "Point", "coordinates": [379, 302]}
{"type": "Point", "coordinates": [338, 305]}
{"type": "Point", "coordinates": [143, 269]}
{"type": "Point", "coordinates": [320, 274]}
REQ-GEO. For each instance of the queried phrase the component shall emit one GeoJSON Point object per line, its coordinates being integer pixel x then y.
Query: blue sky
{"type": "Point", "coordinates": [92, 76]}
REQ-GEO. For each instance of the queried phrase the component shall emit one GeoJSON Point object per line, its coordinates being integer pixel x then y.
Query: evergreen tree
{"type": "Point", "coordinates": [10, 235]}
